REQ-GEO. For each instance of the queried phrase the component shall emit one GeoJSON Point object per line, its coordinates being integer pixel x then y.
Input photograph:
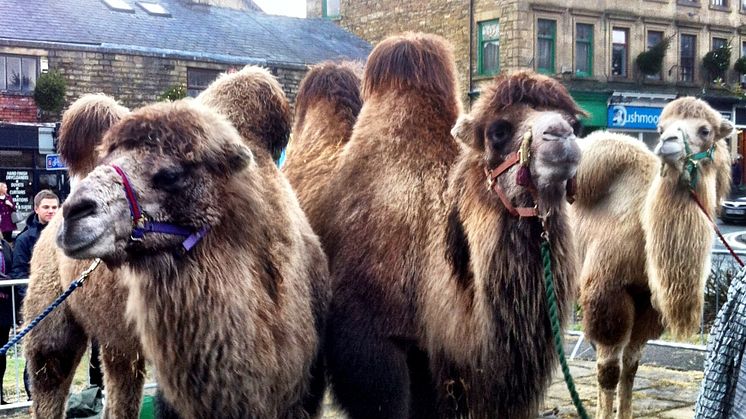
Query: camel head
{"type": "Point", "coordinates": [83, 126]}
{"type": "Point", "coordinates": [688, 126]}
{"type": "Point", "coordinates": [178, 158]}
{"type": "Point", "coordinates": [530, 110]}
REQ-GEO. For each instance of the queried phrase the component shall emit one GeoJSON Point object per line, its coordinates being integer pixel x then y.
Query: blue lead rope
{"type": "Point", "coordinates": [75, 284]}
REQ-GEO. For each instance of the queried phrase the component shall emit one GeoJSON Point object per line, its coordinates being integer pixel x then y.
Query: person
{"type": "Point", "coordinates": [45, 206]}
{"type": "Point", "coordinates": [6, 307]}
{"type": "Point", "coordinates": [736, 171]}
{"type": "Point", "coordinates": [7, 207]}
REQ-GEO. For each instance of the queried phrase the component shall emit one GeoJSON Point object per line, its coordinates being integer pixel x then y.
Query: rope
{"type": "Point", "coordinates": [556, 330]}
{"type": "Point", "coordinates": [75, 284]}
{"type": "Point", "coordinates": [714, 225]}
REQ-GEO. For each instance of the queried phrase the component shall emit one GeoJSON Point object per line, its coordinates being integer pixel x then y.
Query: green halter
{"type": "Point", "coordinates": [692, 160]}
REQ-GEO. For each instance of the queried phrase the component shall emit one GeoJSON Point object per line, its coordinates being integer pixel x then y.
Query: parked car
{"type": "Point", "coordinates": [733, 210]}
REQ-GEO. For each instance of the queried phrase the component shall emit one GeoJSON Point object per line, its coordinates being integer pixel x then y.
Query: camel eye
{"type": "Point", "coordinates": [704, 131]}
{"type": "Point", "coordinates": [169, 179]}
{"type": "Point", "coordinates": [499, 132]}
{"type": "Point", "coordinates": [577, 126]}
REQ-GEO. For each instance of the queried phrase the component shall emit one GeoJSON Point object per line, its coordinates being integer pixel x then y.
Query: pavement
{"type": "Point", "coordinates": [659, 392]}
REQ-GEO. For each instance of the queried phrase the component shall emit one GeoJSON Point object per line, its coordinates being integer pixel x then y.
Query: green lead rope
{"type": "Point", "coordinates": [556, 329]}
{"type": "Point", "coordinates": [691, 168]}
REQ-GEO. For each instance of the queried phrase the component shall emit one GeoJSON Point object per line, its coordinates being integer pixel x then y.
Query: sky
{"type": "Point", "coordinates": [295, 8]}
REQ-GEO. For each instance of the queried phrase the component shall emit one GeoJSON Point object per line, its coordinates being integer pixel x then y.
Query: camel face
{"type": "Point", "coordinates": [176, 157]}
{"type": "Point", "coordinates": [688, 121]}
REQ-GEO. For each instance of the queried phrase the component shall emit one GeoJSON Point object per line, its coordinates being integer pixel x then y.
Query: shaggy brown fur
{"type": "Point", "coordinates": [326, 109]}
{"type": "Point", "coordinates": [231, 326]}
{"type": "Point", "coordinates": [644, 242]}
{"type": "Point", "coordinates": [253, 88]}
{"type": "Point", "coordinates": [53, 349]}
{"type": "Point", "coordinates": [408, 334]}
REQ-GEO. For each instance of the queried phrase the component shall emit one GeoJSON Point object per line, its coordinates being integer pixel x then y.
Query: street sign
{"type": "Point", "coordinates": [54, 162]}
{"type": "Point", "coordinates": [633, 117]}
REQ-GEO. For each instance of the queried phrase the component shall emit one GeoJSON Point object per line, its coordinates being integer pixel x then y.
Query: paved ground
{"type": "Point", "coordinates": [659, 393]}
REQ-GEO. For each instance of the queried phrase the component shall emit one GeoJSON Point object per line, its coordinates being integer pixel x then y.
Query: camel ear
{"type": "Point", "coordinates": [231, 158]}
{"type": "Point", "coordinates": [464, 130]}
{"type": "Point", "coordinates": [725, 129]}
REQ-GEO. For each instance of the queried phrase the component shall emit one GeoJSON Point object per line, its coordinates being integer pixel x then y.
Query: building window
{"type": "Point", "coordinates": [619, 52]}
{"type": "Point", "coordinates": [743, 49]}
{"type": "Point", "coordinates": [330, 8]}
{"type": "Point", "coordinates": [18, 74]}
{"type": "Point", "coordinates": [719, 43]}
{"type": "Point", "coordinates": [488, 56]}
{"type": "Point", "coordinates": [654, 38]}
{"type": "Point", "coordinates": [583, 50]}
{"type": "Point", "coordinates": [743, 5]}
{"type": "Point", "coordinates": [687, 54]}
{"type": "Point", "coordinates": [545, 42]}
{"type": "Point", "coordinates": [719, 3]}
{"type": "Point", "coordinates": [198, 79]}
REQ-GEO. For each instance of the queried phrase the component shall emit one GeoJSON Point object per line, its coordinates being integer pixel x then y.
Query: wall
{"type": "Point", "coordinates": [134, 80]}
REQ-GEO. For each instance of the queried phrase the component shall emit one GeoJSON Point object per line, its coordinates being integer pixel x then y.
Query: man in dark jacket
{"type": "Point", "coordinates": [45, 206]}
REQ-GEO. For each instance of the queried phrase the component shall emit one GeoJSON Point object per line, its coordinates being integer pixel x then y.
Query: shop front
{"type": "Point", "coordinates": [637, 115]}
{"type": "Point", "coordinates": [26, 151]}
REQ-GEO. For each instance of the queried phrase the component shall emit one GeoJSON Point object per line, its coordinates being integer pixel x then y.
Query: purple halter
{"type": "Point", "coordinates": [141, 223]}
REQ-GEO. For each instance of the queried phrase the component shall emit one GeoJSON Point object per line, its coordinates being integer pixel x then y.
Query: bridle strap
{"type": "Point", "coordinates": [141, 224]}
{"type": "Point", "coordinates": [511, 160]}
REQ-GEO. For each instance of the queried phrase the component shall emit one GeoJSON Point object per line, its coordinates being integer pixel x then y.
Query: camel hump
{"type": "Point", "coordinates": [254, 102]}
{"type": "Point", "coordinates": [336, 83]}
{"type": "Point", "coordinates": [609, 161]}
{"type": "Point", "coordinates": [83, 126]}
{"type": "Point", "coordinates": [412, 61]}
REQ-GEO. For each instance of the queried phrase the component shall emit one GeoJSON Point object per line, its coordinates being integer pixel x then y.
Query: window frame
{"type": "Point", "coordinates": [480, 50]}
{"type": "Point", "coordinates": [551, 70]}
{"type": "Point", "coordinates": [693, 58]}
{"type": "Point", "coordinates": [662, 33]}
{"type": "Point", "coordinates": [712, 42]}
{"type": "Point", "coordinates": [197, 89]}
{"type": "Point", "coordinates": [589, 57]}
{"type": "Point", "coordinates": [32, 82]}
{"type": "Point", "coordinates": [325, 10]}
{"type": "Point", "coordinates": [626, 72]}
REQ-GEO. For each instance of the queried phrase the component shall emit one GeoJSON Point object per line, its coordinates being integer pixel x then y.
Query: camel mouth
{"type": "Point", "coordinates": [86, 239]}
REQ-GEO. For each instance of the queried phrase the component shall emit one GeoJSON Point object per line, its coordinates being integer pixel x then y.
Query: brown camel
{"type": "Point", "coordinates": [54, 348]}
{"type": "Point", "coordinates": [326, 109]}
{"type": "Point", "coordinates": [644, 242]}
{"type": "Point", "coordinates": [427, 277]}
{"type": "Point", "coordinates": [232, 323]}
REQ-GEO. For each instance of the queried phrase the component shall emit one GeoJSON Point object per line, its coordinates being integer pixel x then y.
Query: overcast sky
{"type": "Point", "coordinates": [295, 8]}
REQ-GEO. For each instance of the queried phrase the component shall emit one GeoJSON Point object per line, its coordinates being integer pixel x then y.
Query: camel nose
{"type": "Point", "coordinates": [669, 138]}
{"type": "Point", "coordinates": [558, 129]}
{"type": "Point", "coordinates": [79, 209]}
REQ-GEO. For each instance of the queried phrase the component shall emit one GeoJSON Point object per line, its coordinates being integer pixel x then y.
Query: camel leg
{"type": "Point", "coordinates": [630, 361]}
{"type": "Point", "coordinates": [53, 351]}
{"type": "Point", "coordinates": [608, 363]}
{"type": "Point", "coordinates": [368, 372]}
{"type": "Point", "coordinates": [124, 376]}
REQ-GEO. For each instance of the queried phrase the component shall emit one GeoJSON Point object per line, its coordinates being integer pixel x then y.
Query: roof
{"type": "Point", "coordinates": [193, 29]}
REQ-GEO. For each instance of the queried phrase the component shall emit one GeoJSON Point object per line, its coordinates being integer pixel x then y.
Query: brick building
{"type": "Point", "coordinates": [590, 45]}
{"type": "Point", "coordinates": [134, 51]}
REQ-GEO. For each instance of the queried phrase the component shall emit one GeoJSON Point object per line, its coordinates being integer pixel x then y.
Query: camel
{"type": "Point", "coordinates": [230, 317]}
{"type": "Point", "coordinates": [326, 108]}
{"type": "Point", "coordinates": [54, 348]}
{"type": "Point", "coordinates": [425, 267]}
{"type": "Point", "coordinates": [643, 241]}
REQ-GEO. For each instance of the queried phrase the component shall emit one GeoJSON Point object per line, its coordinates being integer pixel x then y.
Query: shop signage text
{"type": "Point", "coordinates": [633, 117]}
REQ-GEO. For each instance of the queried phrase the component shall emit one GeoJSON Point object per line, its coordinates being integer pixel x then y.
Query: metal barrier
{"type": "Point", "coordinates": [18, 399]}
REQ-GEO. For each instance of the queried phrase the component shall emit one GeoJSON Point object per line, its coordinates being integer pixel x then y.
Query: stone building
{"type": "Point", "coordinates": [134, 51]}
{"type": "Point", "coordinates": [590, 45]}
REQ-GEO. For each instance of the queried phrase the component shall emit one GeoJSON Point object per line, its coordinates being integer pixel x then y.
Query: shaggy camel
{"type": "Point", "coordinates": [644, 242]}
{"type": "Point", "coordinates": [426, 276]}
{"type": "Point", "coordinates": [232, 323]}
{"type": "Point", "coordinates": [326, 108]}
{"type": "Point", "coordinates": [54, 348]}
